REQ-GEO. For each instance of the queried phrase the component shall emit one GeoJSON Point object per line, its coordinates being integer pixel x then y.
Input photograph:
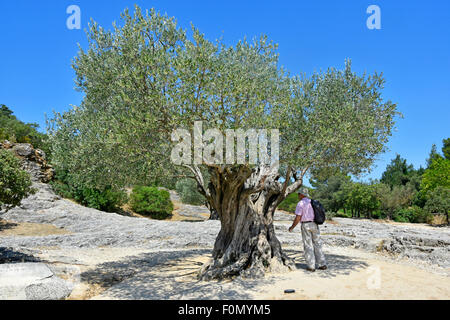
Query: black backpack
{"type": "Point", "coordinates": [319, 212]}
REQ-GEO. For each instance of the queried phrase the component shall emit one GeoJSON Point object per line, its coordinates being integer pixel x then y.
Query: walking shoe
{"type": "Point", "coordinates": [312, 270]}
{"type": "Point", "coordinates": [323, 268]}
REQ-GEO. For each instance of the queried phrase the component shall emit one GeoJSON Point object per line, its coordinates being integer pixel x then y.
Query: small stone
{"type": "Point", "coordinates": [289, 291]}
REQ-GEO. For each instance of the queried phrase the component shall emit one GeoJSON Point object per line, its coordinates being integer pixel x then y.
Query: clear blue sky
{"type": "Point", "coordinates": [412, 49]}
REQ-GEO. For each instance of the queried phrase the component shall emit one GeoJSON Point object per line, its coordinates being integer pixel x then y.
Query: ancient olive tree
{"type": "Point", "coordinates": [147, 78]}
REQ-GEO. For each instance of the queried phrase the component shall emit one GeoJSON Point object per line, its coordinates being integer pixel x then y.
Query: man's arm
{"type": "Point", "coordinates": [295, 222]}
{"type": "Point", "coordinates": [298, 216]}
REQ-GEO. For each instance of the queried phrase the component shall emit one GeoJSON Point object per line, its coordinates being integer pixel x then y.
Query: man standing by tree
{"type": "Point", "coordinates": [312, 245]}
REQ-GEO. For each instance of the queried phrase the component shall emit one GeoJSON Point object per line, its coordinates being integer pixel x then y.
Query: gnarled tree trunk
{"type": "Point", "coordinates": [213, 214]}
{"type": "Point", "coordinates": [246, 245]}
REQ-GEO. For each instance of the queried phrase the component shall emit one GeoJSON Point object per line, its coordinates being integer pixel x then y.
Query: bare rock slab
{"type": "Point", "coordinates": [31, 281]}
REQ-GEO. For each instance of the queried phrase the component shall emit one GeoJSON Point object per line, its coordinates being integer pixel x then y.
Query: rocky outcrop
{"type": "Point", "coordinates": [93, 228]}
{"type": "Point", "coordinates": [33, 160]}
{"type": "Point", "coordinates": [432, 250]}
{"type": "Point", "coordinates": [31, 281]}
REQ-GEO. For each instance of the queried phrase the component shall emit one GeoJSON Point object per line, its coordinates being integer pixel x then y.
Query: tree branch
{"type": "Point", "coordinates": [199, 178]}
{"type": "Point", "coordinates": [297, 184]}
{"type": "Point", "coordinates": [287, 179]}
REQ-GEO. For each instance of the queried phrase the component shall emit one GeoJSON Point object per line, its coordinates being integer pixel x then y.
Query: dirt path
{"type": "Point", "coordinates": [354, 274]}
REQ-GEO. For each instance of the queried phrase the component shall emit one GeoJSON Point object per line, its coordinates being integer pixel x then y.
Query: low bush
{"type": "Point", "coordinates": [151, 201]}
{"type": "Point", "coordinates": [330, 215]}
{"type": "Point", "coordinates": [15, 183]}
{"type": "Point", "coordinates": [342, 214]}
{"type": "Point", "coordinates": [438, 201]}
{"type": "Point", "coordinates": [420, 215]}
{"type": "Point", "coordinates": [402, 215]}
{"type": "Point", "coordinates": [413, 214]}
{"type": "Point", "coordinates": [62, 189]}
{"type": "Point", "coordinates": [378, 215]}
{"type": "Point", "coordinates": [290, 203]}
{"type": "Point", "coordinates": [107, 199]}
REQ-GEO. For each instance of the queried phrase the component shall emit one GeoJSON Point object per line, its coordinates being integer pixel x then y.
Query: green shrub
{"type": "Point", "coordinates": [290, 203]}
{"type": "Point", "coordinates": [377, 215]}
{"type": "Point", "coordinates": [151, 201]}
{"type": "Point", "coordinates": [420, 215]}
{"type": "Point", "coordinates": [403, 215]}
{"type": "Point", "coordinates": [107, 199]}
{"type": "Point", "coordinates": [15, 183]}
{"type": "Point", "coordinates": [329, 215]}
{"type": "Point", "coordinates": [187, 190]}
{"type": "Point", "coordinates": [342, 214]}
{"type": "Point", "coordinates": [62, 189]}
{"type": "Point", "coordinates": [438, 201]}
{"type": "Point", "coordinates": [420, 198]}
{"type": "Point", "coordinates": [413, 214]}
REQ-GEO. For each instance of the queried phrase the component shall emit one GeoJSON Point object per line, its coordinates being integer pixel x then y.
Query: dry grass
{"type": "Point", "coordinates": [29, 229]}
{"type": "Point", "coordinates": [439, 220]}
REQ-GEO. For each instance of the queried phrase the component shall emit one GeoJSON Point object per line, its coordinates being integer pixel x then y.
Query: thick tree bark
{"type": "Point", "coordinates": [246, 245]}
{"type": "Point", "coordinates": [213, 214]}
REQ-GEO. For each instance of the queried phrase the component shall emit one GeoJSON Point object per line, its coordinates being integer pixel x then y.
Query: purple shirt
{"type": "Point", "coordinates": [305, 210]}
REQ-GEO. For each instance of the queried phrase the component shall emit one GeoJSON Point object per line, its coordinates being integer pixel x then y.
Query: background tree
{"type": "Point", "coordinates": [15, 183]}
{"type": "Point", "coordinates": [394, 199]}
{"type": "Point", "coordinates": [362, 200]}
{"type": "Point", "coordinates": [446, 148]}
{"type": "Point", "coordinates": [146, 78]}
{"type": "Point", "coordinates": [400, 173]}
{"type": "Point", "coordinates": [332, 192]}
{"type": "Point", "coordinates": [14, 130]}
{"type": "Point", "coordinates": [5, 112]}
{"type": "Point", "coordinates": [437, 174]}
{"type": "Point", "coordinates": [439, 201]}
{"type": "Point", "coordinates": [397, 173]}
{"type": "Point", "coordinates": [434, 154]}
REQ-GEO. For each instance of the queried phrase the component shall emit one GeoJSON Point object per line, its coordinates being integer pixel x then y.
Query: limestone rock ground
{"type": "Point", "coordinates": [111, 256]}
{"type": "Point", "coordinates": [31, 281]}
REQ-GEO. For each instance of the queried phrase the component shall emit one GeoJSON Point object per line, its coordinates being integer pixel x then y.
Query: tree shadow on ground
{"type": "Point", "coordinates": [165, 275]}
{"type": "Point", "coordinates": [169, 275]}
{"type": "Point", "coordinates": [337, 264]}
{"type": "Point", "coordinates": [8, 255]}
{"type": "Point", "coordinates": [124, 212]}
{"type": "Point", "coordinates": [5, 225]}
